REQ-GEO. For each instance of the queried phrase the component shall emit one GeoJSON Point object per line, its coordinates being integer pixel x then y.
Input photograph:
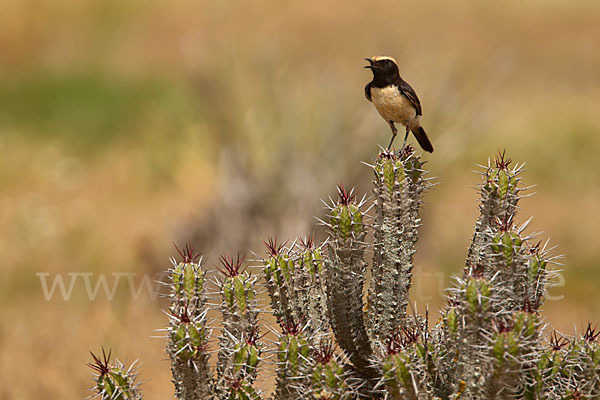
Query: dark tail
{"type": "Point", "coordinates": [422, 139]}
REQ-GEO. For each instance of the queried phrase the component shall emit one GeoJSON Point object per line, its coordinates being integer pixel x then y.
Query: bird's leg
{"type": "Point", "coordinates": [405, 137]}
{"type": "Point", "coordinates": [394, 133]}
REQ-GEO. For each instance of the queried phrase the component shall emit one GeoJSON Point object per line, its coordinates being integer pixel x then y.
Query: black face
{"type": "Point", "coordinates": [384, 67]}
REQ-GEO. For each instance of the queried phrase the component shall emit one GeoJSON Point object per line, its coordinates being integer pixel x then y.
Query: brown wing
{"type": "Point", "coordinates": [410, 94]}
{"type": "Point", "coordinates": [368, 91]}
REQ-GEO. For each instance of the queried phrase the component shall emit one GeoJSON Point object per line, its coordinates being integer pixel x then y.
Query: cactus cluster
{"type": "Point", "coordinates": [295, 279]}
{"type": "Point", "coordinates": [347, 328]}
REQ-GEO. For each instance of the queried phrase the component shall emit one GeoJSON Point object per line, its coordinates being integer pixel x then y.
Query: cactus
{"type": "Point", "coordinates": [295, 281]}
{"type": "Point", "coordinates": [292, 356]}
{"type": "Point", "coordinates": [490, 342]}
{"type": "Point", "coordinates": [187, 332]}
{"type": "Point", "coordinates": [345, 269]}
{"type": "Point", "coordinates": [398, 185]}
{"type": "Point", "coordinates": [327, 379]}
{"type": "Point", "coordinates": [114, 382]}
{"type": "Point", "coordinates": [240, 349]}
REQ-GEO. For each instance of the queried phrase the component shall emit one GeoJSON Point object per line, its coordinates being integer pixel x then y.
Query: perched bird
{"type": "Point", "coordinates": [395, 100]}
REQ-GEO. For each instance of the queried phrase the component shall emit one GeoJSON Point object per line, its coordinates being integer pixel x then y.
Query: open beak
{"type": "Point", "coordinates": [371, 61]}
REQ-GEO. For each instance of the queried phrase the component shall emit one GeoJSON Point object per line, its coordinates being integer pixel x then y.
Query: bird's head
{"type": "Point", "coordinates": [382, 65]}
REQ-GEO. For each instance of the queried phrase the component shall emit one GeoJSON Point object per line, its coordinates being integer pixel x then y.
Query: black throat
{"type": "Point", "coordinates": [381, 80]}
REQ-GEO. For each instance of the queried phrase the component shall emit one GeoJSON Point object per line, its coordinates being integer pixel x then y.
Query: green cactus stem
{"type": "Point", "coordinates": [310, 286]}
{"type": "Point", "coordinates": [404, 365]}
{"type": "Point", "coordinates": [328, 379]}
{"type": "Point", "coordinates": [500, 194]}
{"type": "Point", "coordinates": [345, 269]}
{"type": "Point", "coordinates": [292, 359]}
{"type": "Point", "coordinates": [240, 349]}
{"type": "Point", "coordinates": [296, 283]}
{"type": "Point", "coordinates": [399, 185]}
{"type": "Point", "coordinates": [187, 334]}
{"type": "Point", "coordinates": [514, 349]}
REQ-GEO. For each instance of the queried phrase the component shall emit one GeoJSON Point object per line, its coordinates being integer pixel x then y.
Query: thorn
{"type": "Point", "coordinates": [273, 248]}
{"type": "Point", "coordinates": [187, 253]}
{"type": "Point", "coordinates": [101, 365]}
{"type": "Point", "coordinates": [324, 353]}
{"type": "Point", "coordinates": [231, 268]}
{"type": "Point", "coordinates": [345, 197]}
{"type": "Point", "coordinates": [501, 161]}
{"type": "Point", "coordinates": [557, 341]}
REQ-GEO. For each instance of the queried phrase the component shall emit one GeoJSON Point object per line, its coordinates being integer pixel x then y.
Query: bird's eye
{"type": "Point", "coordinates": [386, 61]}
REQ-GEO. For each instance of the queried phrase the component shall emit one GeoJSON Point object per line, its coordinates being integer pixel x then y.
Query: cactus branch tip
{"type": "Point", "coordinates": [188, 253]}
{"type": "Point", "coordinates": [231, 268]}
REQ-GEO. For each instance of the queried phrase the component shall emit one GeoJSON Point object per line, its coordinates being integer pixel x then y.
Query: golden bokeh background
{"type": "Point", "coordinates": [127, 125]}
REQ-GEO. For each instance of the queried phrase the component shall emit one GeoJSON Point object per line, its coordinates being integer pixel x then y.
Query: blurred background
{"type": "Point", "coordinates": [127, 125]}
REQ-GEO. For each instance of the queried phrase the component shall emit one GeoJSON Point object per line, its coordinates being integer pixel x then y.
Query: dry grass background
{"type": "Point", "coordinates": [126, 125]}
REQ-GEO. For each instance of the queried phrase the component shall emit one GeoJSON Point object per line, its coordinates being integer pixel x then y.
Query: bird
{"type": "Point", "coordinates": [395, 100]}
